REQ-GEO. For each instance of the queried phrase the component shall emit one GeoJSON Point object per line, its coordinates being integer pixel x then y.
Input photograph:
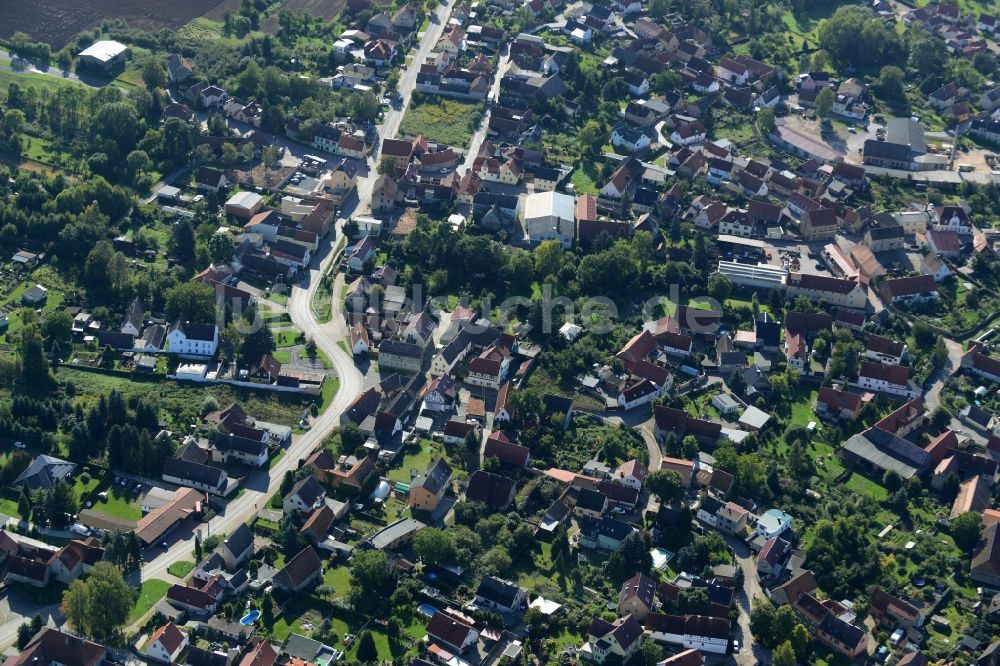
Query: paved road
{"type": "Point", "coordinates": [750, 653]}
{"type": "Point", "coordinates": [35, 68]}
{"type": "Point", "coordinates": [480, 136]}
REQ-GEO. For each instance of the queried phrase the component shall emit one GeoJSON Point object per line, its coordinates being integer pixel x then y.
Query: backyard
{"type": "Point", "coordinates": [416, 458]}
{"type": "Point", "coordinates": [152, 591]}
{"type": "Point", "coordinates": [439, 120]}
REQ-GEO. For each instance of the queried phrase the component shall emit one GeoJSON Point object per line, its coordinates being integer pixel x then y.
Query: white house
{"type": "Point", "coordinates": [305, 497]}
{"type": "Point", "coordinates": [689, 134]}
{"type": "Point", "coordinates": [894, 379]}
{"type": "Point", "coordinates": [166, 644]}
{"type": "Point", "coordinates": [550, 216]}
{"type": "Point", "coordinates": [637, 394]}
{"type": "Point", "coordinates": [773, 523]}
{"type": "Point", "coordinates": [632, 138]}
{"type": "Point", "coordinates": [733, 72]}
{"type": "Point", "coordinates": [192, 339]}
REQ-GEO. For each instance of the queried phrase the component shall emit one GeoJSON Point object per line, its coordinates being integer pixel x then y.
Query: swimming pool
{"type": "Point", "coordinates": [427, 609]}
{"type": "Point", "coordinates": [250, 618]}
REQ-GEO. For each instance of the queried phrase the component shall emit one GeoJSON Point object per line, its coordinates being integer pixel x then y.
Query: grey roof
{"type": "Point", "coordinates": [299, 646]}
{"type": "Point", "coordinates": [591, 500]}
{"type": "Point", "coordinates": [434, 478]}
{"type": "Point", "coordinates": [194, 472]}
{"type": "Point", "coordinates": [906, 132]}
{"type": "Point", "coordinates": [887, 451]}
{"type": "Point", "coordinates": [308, 490]}
{"type": "Point", "coordinates": [500, 592]}
{"type": "Point", "coordinates": [240, 539]}
{"type": "Point", "coordinates": [44, 471]}
{"type": "Point", "coordinates": [389, 534]}
{"type": "Point", "coordinates": [397, 348]}
{"type": "Point", "coordinates": [136, 313]}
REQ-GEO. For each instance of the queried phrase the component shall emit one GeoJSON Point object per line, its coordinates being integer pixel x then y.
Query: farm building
{"type": "Point", "coordinates": [105, 54]}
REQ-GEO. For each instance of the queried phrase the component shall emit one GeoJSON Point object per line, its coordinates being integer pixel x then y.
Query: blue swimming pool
{"type": "Point", "coordinates": [250, 618]}
{"type": "Point", "coordinates": [427, 609]}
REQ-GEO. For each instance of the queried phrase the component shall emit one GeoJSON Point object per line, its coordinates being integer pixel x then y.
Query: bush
{"type": "Point", "coordinates": [85, 477]}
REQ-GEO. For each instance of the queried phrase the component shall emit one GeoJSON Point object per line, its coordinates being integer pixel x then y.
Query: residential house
{"type": "Point", "coordinates": [637, 596]}
{"type": "Point", "coordinates": [884, 350]}
{"type": "Point", "coordinates": [306, 496]}
{"type": "Point", "coordinates": [428, 489]}
{"type": "Point", "coordinates": [894, 379]}
{"type": "Point", "coordinates": [299, 572]}
{"type": "Point", "coordinates": [166, 644]}
{"type": "Point", "coordinates": [451, 633]}
{"type": "Point", "coordinates": [613, 641]}
{"type": "Point", "coordinates": [910, 290]}
{"type": "Point", "coordinates": [500, 595]}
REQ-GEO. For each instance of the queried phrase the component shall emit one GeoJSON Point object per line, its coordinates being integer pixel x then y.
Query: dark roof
{"type": "Point", "coordinates": [500, 592]}
{"type": "Point", "coordinates": [308, 490]}
{"type": "Point", "coordinates": [492, 489]}
{"type": "Point", "coordinates": [298, 569]}
{"type": "Point", "coordinates": [184, 470]}
{"type": "Point", "coordinates": [591, 500]}
{"type": "Point", "coordinates": [195, 331]}
{"type": "Point", "coordinates": [434, 477]}
{"type": "Point", "coordinates": [240, 539]}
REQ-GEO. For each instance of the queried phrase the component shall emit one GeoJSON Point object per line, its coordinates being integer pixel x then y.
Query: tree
{"type": "Point", "coordinates": [666, 484]}
{"type": "Point", "coordinates": [34, 365]}
{"type": "Point", "coordinates": [58, 326]}
{"type": "Point", "coordinates": [99, 605]}
{"type": "Point", "coordinates": [800, 642]}
{"type": "Point", "coordinates": [267, 610]}
{"type": "Point", "coordinates": [367, 652]}
{"type": "Point", "coordinates": [965, 530]}
{"type": "Point", "coordinates": [548, 258]}
{"type": "Point", "coordinates": [386, 167]}
{"type": "Point", "coordinates": [229, 155]}
{"type": "Point", "coordinates": [287, 482]}
{"type": "Point", "coordinates": [496, 561]}
{"type": "Point", "coordinates": [182, 243]}
{"type": "Point", "coordinates": [197, 547]}
{"type": "Point", "coordinates": [153, 74]}
{"type": "Point", "coordinates": [719, 287]}
{"type": "Point", "coordinates": [193, 301]}
{"type": "Point", "coordinates": [24, 505]}
{"type": "Point", "coordinates": [890, 83]}
{"type": "Point", "coordinates": [649, 654]}
{"type": "Point", "coordinates": [784, 655]}
{"type": "Point", "coordinates": [765, 120]}
{"type": "Point", "coordinates": [762, 623]}
{"type": "Point", "coordinates": [434, 546]}
{"type": "Point", "coordinates": [369, 579]}
{"type": "Point", "coordinates": [220, 248]}
{"type": "Point", "coordinates": [824, 102]}
{"type": "Point", "coordinates": [592, 136]}
{"type": "Point", "coordinates": [24, 635]}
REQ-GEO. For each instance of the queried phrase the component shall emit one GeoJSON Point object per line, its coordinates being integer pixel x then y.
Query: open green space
{"type": "Point", "coordinates": [181, 569]}
{"type": "Point", "coordinates": [416, 458]}
{"type": "Point", "coordinates": [182, 402]}
{"type": "Point", "coordinates": [150, 592]}
{"type": "Point", "coordinates": [441, 120]}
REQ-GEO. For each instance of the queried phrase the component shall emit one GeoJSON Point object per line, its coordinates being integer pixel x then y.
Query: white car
{"type": "Point", "coordinates": [736, 646]}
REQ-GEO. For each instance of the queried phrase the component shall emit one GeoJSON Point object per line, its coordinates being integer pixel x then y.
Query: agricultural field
{"type": "Point", "coordinates": [441, 120]}
{"type": "Point", "coordinates": [321, 9]}
{"type": "Point", "coordinates": [56, 22]}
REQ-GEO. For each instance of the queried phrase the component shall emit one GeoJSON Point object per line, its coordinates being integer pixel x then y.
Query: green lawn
{"type": "Point", "coordinates": [583, 179]}
{"type": "Point", "coordinates": [865, 486]}
{"type": "Point", "coordinates": [282, 356]}
{"type": "Point", "coordinates": [8, 76]}
{"type": "Point", "coordinates": [183, 402]}
{"type": "Point", "coordinates": [287, 337]}
{"type": "Point", "coordinates": [802, 408]}
{"type": "Point", "coordinates": [152, 591]}
{"type": "Point", "coordinates": [416, 459]}
{"type": "Point", "coordinates": [121, 503]}
{"type": "Point", "coordinates": [330, 388]}
{"type": "Point", "coordinates": [338, 579]}
{"type": "Point", "coordinates": [441, 120]}
{"type": "Point", "coordinates": [180, 569]}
